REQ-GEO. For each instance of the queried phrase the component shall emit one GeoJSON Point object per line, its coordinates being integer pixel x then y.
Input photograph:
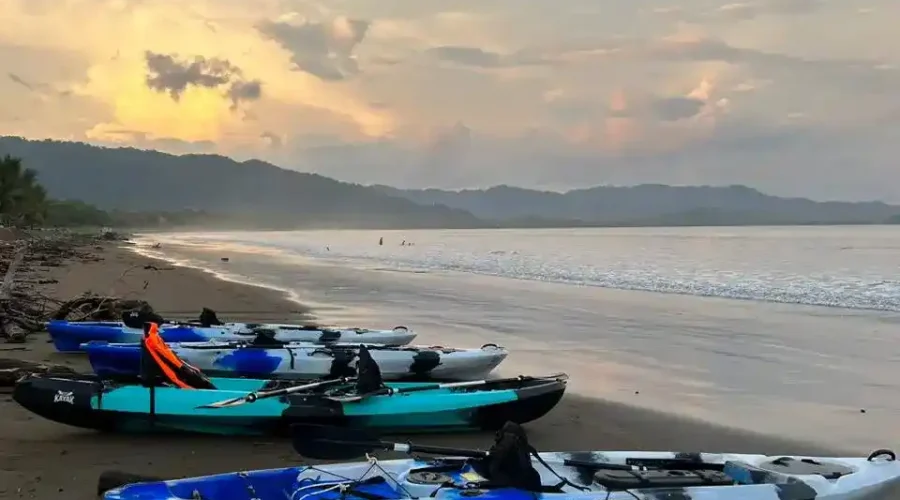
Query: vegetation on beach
{"type": "Point", "coordinates": [24, 203]}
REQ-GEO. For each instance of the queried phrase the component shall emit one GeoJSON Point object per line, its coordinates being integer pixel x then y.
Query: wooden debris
{"type": "Point", "coordinates": [23, 308]}
{"type": "Point", "coordinates": [11, 370]}
{"type": "Point", "coordinates": [96, 308]}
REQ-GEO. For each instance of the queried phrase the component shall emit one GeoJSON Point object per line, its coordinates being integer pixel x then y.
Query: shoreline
{"type": "Point", "coordinates": [285, 294]}
{"type": "Point", "coordinates": [812, 306]}
{"type": "Point", "coordinates": [28, 443]}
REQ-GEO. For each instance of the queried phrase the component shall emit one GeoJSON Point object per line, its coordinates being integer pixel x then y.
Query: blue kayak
{"type": "Point", "coordinates": [68, 335]}
{"type": "Point", "coordinates": [303, 361]}
{"type": "Point", "coordinates": [513, 470]}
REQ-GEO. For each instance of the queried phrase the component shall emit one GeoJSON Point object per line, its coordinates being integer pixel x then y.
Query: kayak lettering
{"type": "Point", "coordinates": [64, 397]}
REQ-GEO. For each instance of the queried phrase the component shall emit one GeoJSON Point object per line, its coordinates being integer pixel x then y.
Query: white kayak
{"type": "Point", "coordinates": [729, 476]}
{"type": "Point", "coordinates": [69, 335]}
{"type": "Point", "coordinates": [315, 334]}
{"type": "Point", "coordinates": [307, 361]}
{"type": "Point", "coordinates": [592, 475]}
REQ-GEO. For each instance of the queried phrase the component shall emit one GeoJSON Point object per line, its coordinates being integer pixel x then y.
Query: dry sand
{"type": "Point", "coordinates": [44, 460]}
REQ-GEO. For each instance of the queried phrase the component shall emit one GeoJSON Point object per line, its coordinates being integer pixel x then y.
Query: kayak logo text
{"type": "Point", "coordinates": [64, 397]}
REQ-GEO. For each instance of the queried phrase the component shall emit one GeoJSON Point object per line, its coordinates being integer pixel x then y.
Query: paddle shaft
{"type": "Point", "coordinates": [469, 453]}
{"type": "Point", "coordinates": [255, 396]}
{"type": "Point", "coordinates": [462, 452]}
{"type": "Point", "coordinates": [414, 448]}
{"type": "Point", "coordinates": [454, 385]}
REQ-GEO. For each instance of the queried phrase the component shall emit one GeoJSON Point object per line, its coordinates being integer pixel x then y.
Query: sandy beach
{"type": "Point", "coordinates": [43, 460]}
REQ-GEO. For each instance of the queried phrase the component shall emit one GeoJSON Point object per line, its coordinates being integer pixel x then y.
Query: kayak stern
{"type": "Point", "coordinates": [64, 400]}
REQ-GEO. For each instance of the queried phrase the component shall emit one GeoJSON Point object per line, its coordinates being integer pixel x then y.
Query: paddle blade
{"type": "Point", "coordinates": [327, 442]}
{"type": "Point", "coordinates": [223, 404]}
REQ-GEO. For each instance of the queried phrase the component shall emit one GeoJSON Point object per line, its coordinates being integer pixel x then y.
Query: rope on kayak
{"type": "Point", "coordinates": [339, 486]}
{"type": "Point", "coordinates": [346, 486]}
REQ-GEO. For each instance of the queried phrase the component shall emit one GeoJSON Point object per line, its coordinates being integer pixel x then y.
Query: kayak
{"type": "Point", "coordinates": [90, 402]}
{"type": "Point", "coordinates": [730, 477]}
{"type": "Point", "coordinates": [304, 360]}
{"type": "Point", "coordinates": [512, 470]}
{"type": "Point", "coordinates": [68, 336]}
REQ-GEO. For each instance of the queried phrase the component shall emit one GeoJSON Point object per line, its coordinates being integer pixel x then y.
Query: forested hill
{"type": "Point", "coordinates": [215, 190]}
{"type": "Point", "coordinates": [133, 180]}
{"type": "Point", "coordinates": [651, 205]}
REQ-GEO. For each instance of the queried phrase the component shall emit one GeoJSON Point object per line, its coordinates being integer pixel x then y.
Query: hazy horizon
{"type": "Point", "coordinates": [791, 97]}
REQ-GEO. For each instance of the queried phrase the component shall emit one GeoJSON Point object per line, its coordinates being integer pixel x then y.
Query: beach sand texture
{"type": "Point", "coordinates": [43, 460]}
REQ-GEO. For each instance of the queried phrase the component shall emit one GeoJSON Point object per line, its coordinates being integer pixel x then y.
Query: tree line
{"type": "Point", "coordinates": [24, 203]}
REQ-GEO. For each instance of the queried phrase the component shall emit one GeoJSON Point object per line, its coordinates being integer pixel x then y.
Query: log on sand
{"type": "Point", "coordinates": [12, 370]}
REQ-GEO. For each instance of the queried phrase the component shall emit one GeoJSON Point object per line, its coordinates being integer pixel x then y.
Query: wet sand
{"type": "Point", "coordinates": [43, 460]}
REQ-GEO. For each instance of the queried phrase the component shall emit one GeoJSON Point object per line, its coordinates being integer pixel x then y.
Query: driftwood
{"type": "Point", "coordinates": [24, 309]}
{"type": "Point", "coordinates": [10, 328]}
{"type": "Point", "coordinates": [11, 370]}
{"type": "Point", "coordinates": [97, 308]}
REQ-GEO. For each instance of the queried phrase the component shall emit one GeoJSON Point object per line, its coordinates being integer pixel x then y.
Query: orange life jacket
{"type": "Point", "coordinates": [174, 369]}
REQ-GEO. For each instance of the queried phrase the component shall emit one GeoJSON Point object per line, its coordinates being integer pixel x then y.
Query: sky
{"type": "Point", "coordinates": [794, 97]}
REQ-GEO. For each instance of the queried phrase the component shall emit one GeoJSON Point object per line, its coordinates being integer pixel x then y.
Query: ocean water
{"type": "Point", "coordinates": [851, 267]}
{"type": "Point", "coordinates": [789, 331]}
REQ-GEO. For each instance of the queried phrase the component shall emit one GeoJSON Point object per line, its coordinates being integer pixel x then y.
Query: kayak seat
{"type": "Point", "coordinates": [340, 363]}
{"type": "Point", "coordinates": [266, 338]}
{"type": "Point", "coordinates": [208, 318]}
{"type": "Point", "coordinates": [329, 336]}
{"type": "Point", "coordinates": [368, 379]}
{"type": "Point", "coordinates": [159, 365]}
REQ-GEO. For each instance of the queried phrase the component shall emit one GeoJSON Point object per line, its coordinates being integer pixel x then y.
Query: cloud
{"type": "Point", "coordinates": [781, 94]}
{"type": "Point", "coordinates": [240, 91]}
{"type": "Point", "coordinates": [677, 108]}
{"type": "Point", "coordinates": [751, 10]}
{"type": "Point", "coordinates": [480, 58]}
{"type": "Point", "coordinates": [166, 73]}
{"type": "Point", "coordinates": [323, 49]}
{"type": "Point", "coordinates": [21, 81]}
{"type": "Point", "coordinates": [272, 140]}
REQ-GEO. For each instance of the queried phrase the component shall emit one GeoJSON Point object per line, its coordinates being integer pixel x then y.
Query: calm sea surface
{"type": "Point", "coordinates": [791, 330]}
{"type": "Point", "coordinates": [854, 267]}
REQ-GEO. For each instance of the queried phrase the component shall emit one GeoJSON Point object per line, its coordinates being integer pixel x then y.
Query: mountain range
{"type": "Point", "coordinates": [649, 204]}
{"type": "Point", "coordinates": [257, 193]}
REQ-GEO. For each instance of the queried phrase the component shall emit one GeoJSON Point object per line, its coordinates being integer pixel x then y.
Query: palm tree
{"type": "Point", "coordinates": [23, 201]}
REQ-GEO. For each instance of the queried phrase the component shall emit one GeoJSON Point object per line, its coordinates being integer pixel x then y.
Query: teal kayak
{"type": "Point", "coordinates": [91, 402]}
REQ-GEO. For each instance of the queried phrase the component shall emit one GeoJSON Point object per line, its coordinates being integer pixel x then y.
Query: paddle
{"type": "Point", "coordinates": [390, 391]}
{"type": "Point", "coordinates": [256, 396]}
{"type": "Point", "coordinates": [327, 442]}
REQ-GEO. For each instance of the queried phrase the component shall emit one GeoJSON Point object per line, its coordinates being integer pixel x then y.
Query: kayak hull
{"type": "Point", "coordinates": [305, 361]}
{"type": "Point", "coordinates": [739, 477]}
{"type": "Point", "coordinates": [68, 336]}
{"type": "Point", "coordinates": [92, 403]}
